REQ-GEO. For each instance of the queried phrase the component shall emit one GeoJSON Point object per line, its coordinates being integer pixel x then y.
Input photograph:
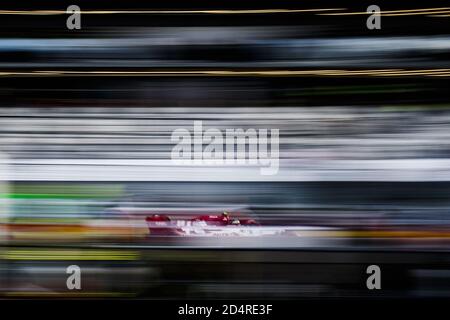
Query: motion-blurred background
{"type": "Point", "coordinates": [86, 120]}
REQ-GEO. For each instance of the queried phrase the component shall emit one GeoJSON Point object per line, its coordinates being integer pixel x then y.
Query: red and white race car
{"type": "Point", "coordinates": [207, 225]}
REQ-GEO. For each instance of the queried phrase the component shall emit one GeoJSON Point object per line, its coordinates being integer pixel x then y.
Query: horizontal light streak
{"type": "Point", "coordinates": [433, 12]}
{"type": "Point", "coordinates": [181, 73]}
{"type": "Point", "coordinates": [250, 11]}
{"type": "Point", "coordinates": [69, 255]}
{"type": "Point", "coordinates": [424, 11]}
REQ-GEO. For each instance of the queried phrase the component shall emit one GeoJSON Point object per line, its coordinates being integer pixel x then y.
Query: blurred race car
{"type": "Point", "coordinates": [207, 225]}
